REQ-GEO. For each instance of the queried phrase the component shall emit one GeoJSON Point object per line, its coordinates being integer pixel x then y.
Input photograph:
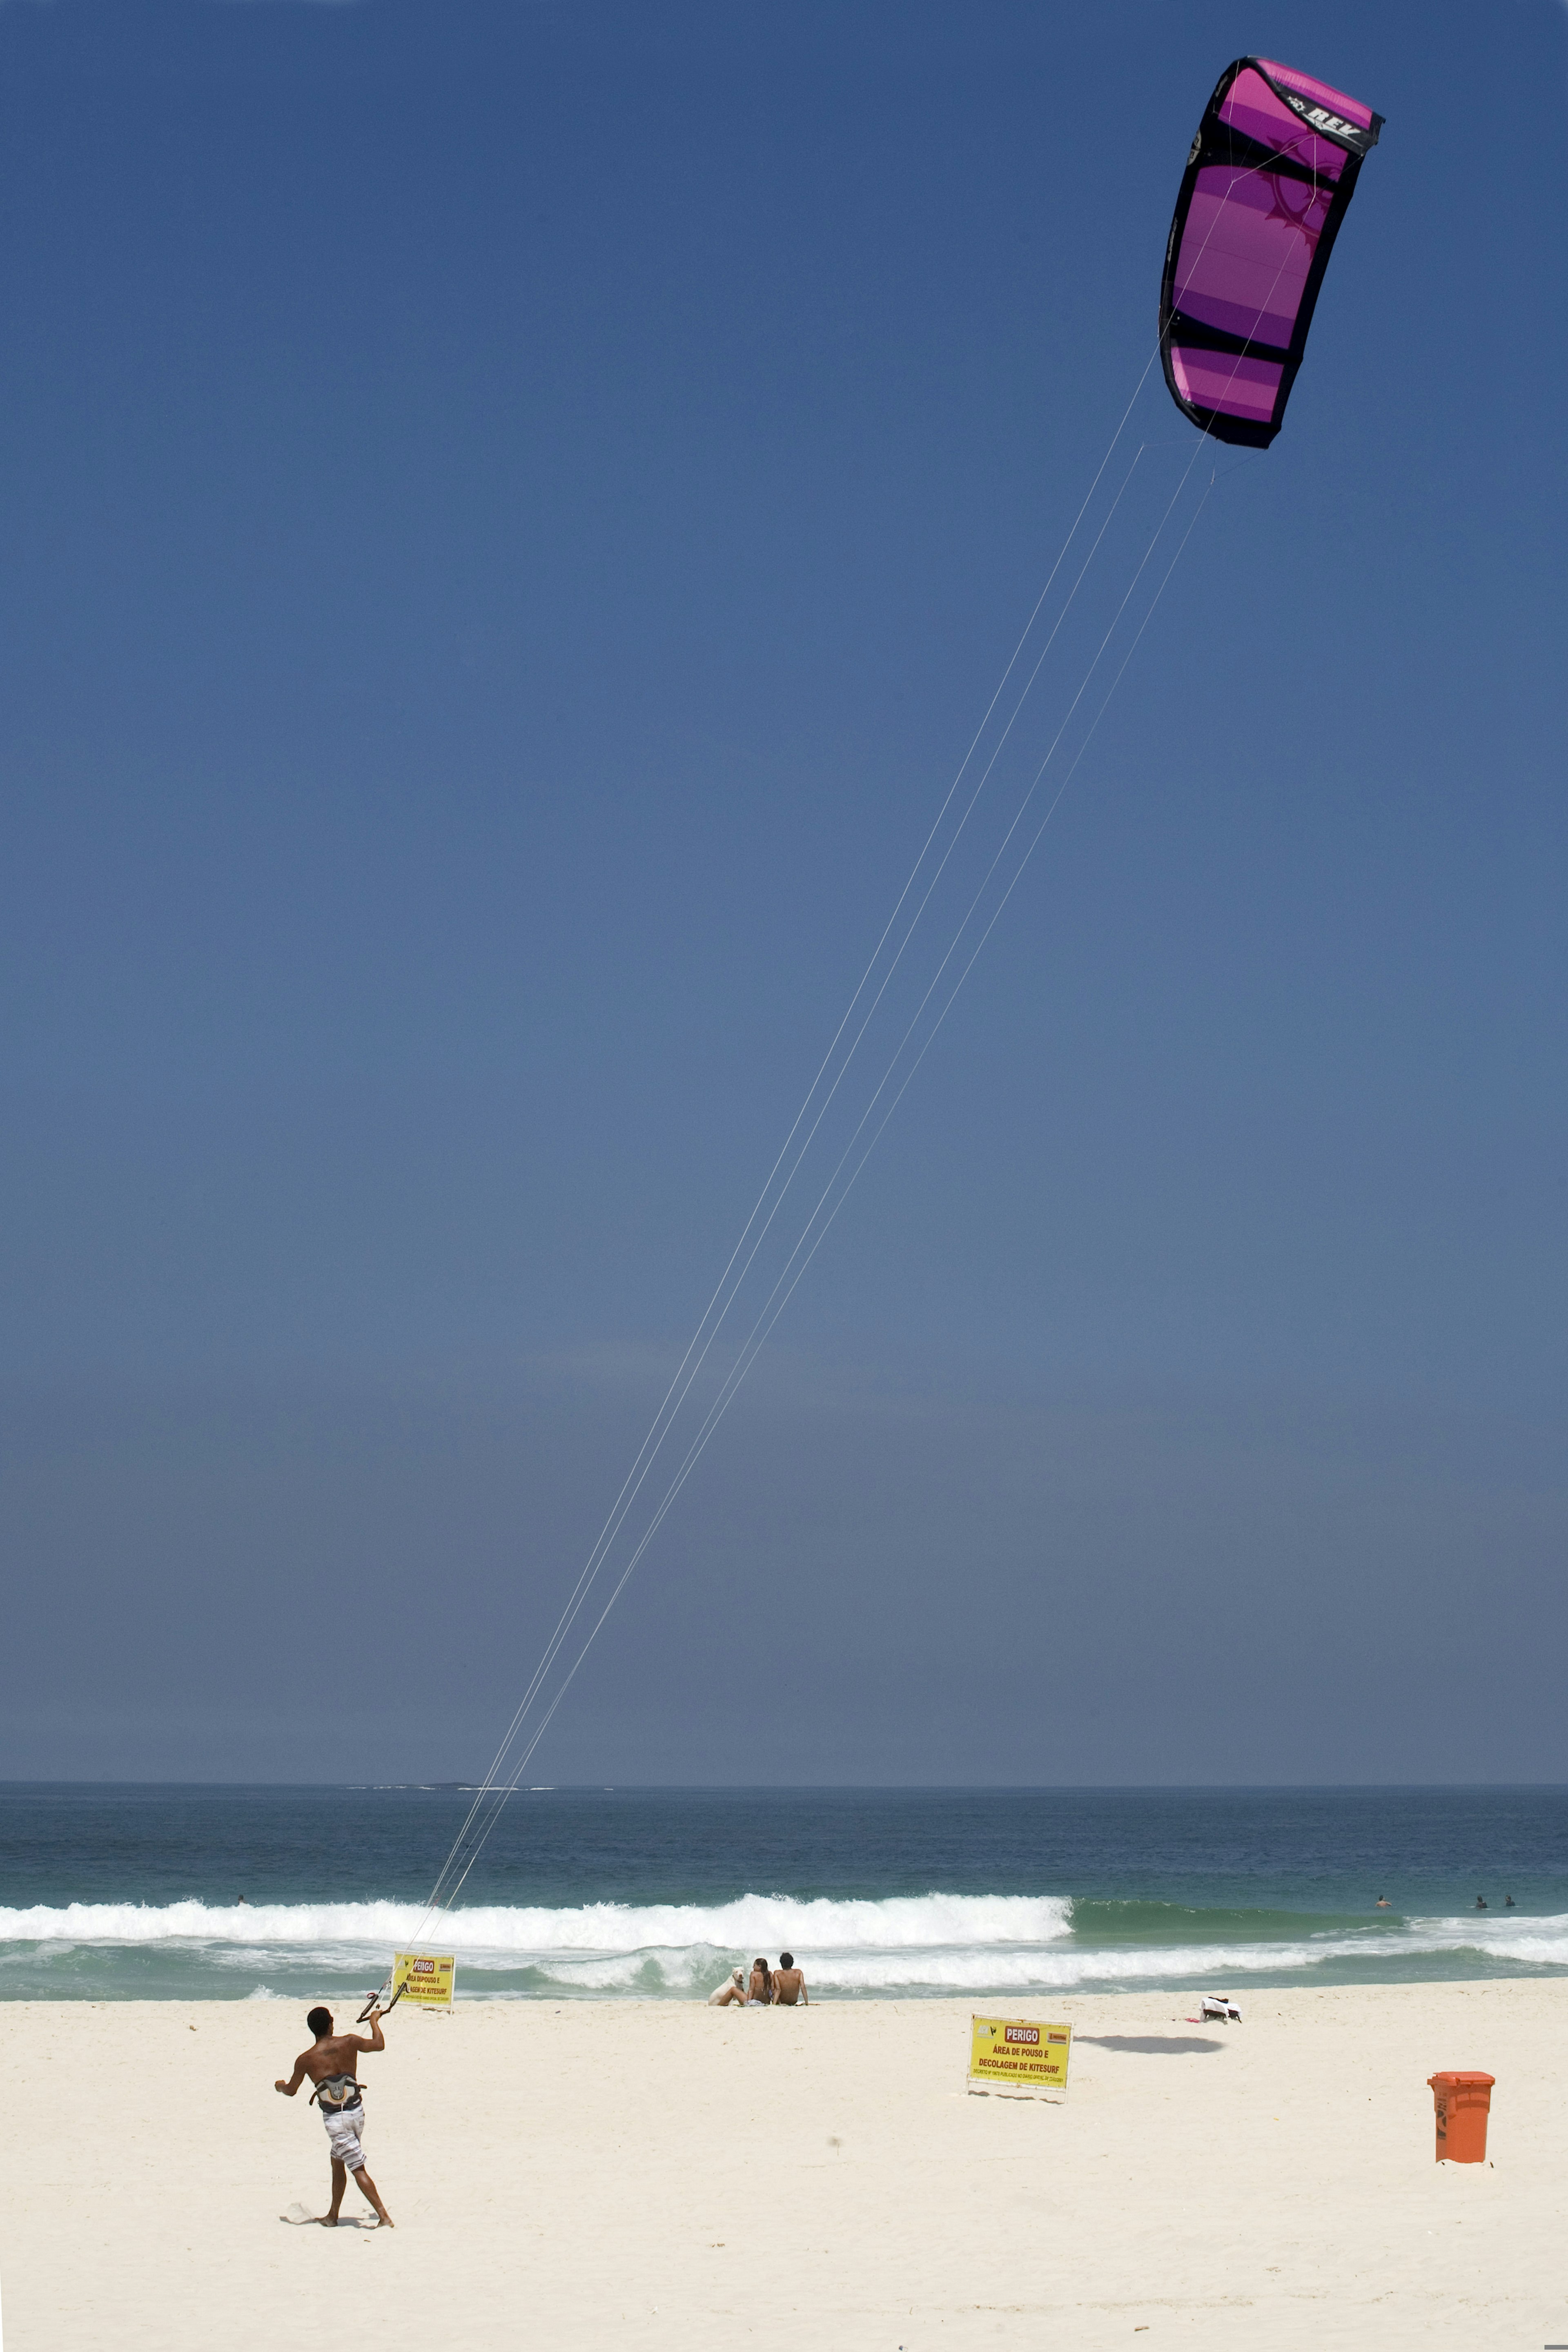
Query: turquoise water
{"type": "Point", "coordinates": [136, 1893]}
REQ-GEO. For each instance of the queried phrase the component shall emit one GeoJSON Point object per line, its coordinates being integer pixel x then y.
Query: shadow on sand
{"type": "Point", "coordinates": [299, 2218]}
{"type": "Point", "coordinates": [1151, 2045]}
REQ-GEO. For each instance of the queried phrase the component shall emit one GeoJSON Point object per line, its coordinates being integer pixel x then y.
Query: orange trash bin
{"type": "Point", "coordinates": [1463, 2102]}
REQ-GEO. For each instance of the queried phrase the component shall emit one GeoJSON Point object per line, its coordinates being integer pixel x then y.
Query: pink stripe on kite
{"type": "Point", "coordinates": [1245, 255]}
{"type": "Point", "coordinates": [1237, 387]}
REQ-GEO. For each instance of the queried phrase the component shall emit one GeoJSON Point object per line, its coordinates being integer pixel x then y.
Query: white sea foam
{"type": "Point", "coordinates": [933, 1943]}
{"type": "Point", "coordinates": [1534, 1943]}
{"type": "Point", "coordinates": [755, 1921]}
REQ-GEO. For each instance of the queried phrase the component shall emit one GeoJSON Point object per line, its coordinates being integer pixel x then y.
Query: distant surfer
{"type": "Point", "coordinates": [332, 2062]}
{"type": "Point", "coordinates": [1382, 1902]}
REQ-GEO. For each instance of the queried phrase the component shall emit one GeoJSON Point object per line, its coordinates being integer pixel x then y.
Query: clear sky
{"type": "Point", "coordinates": [510, 516]}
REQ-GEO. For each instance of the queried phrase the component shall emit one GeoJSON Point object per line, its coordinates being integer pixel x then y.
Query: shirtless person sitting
{"type": "Point", "coordinates": [330, 2063]}
{"type": "Point", "coordinates": [789, 1984]}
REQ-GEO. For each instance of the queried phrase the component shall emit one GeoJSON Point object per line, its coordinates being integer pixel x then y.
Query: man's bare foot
{"type": "Point", "coordinates": [372, 2195]}
{"type": "Point", "coordinates": [327, 2220]}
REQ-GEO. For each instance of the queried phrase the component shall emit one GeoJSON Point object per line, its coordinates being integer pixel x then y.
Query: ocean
{"type": "Point", "coordinates": [164, 1892]}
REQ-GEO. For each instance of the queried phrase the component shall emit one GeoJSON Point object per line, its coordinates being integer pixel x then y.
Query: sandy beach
{"type": "Point", "coordinates": [663, 2175]}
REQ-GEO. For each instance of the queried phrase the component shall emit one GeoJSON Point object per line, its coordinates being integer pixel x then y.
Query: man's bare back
{"type": "Point", "coordinates": [334, 2054]}
{"type": "Point", "coordinates": [789, 1984]}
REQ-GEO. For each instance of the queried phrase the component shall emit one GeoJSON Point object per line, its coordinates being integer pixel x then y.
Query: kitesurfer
{"type": "Point", "coordinates": [331, 2064]}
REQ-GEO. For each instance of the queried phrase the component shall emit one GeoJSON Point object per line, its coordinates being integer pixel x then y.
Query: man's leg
{"type": "Point", "coordinates": [367, 2187]}
{"type": "Point", "coordinates": [329, 2220]}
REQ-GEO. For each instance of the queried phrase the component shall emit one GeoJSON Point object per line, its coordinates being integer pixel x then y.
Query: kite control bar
{"type": "Point", "coordinates": [373, 2004]}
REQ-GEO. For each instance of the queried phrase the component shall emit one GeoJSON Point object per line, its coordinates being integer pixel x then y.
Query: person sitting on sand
{"type": "Point", "coordinates": [759, 1991]}
{"type": "Point", "coordinates": [789, 1984]}
{"type": "Point", "coordinates": [330, 2063]}
{"type": "Point", "coordinates": [734, 1989]}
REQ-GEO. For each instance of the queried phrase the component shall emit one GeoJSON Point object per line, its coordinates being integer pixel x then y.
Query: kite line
{"type": "Point", "coordinates": [517, 1746]}
{"type": "Point", "coordinates": [513, 1753]}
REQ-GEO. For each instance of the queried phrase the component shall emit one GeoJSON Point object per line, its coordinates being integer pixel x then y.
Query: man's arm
{"type": "Point", "coordinates": [293, 2084]}
{"type": "Point", "coordinates": [373, 2039]}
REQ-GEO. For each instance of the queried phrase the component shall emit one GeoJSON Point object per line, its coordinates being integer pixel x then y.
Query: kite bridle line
{"type": "Point", "coordinates": [509, 1763]}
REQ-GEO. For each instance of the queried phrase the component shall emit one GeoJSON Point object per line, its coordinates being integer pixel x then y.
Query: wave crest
{"type": "Point", "coordinates": [757, 1922]}
{"type": "Point", "coordinates": [933, 1944]}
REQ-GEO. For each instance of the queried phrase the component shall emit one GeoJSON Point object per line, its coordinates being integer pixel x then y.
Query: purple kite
{"type": "Point", "coordinates": [1269, 180]}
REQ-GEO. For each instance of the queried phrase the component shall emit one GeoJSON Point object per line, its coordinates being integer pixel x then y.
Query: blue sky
{"type": "Point", "coordinates": [510, 517]}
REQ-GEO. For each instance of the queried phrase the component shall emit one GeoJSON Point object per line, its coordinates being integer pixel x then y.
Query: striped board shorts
{"type": "Point", "coordinates": [345, 2128]}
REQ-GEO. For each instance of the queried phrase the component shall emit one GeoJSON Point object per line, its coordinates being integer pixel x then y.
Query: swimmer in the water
{"type": "Point", "coordinates": [1382, 1902]}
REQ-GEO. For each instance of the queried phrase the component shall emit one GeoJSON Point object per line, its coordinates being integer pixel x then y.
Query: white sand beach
{"type": "Point", "coordinates": [652, 2174]}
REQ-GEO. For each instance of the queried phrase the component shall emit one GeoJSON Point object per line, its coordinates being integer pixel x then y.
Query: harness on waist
{"type": "Point", "coordinates": [337, 2094]}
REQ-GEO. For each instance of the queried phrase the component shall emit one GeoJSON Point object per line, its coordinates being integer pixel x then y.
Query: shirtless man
{"type": "Point", "coordinates": [331, 2065]}
{"type": "Point", "coordinates": [789, 1984]}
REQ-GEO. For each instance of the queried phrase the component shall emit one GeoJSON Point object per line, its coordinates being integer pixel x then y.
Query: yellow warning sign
{"type": "Point", "coordinates": [420, 1977]}
{"type": "Point", "coordinates": [1013, 2053]}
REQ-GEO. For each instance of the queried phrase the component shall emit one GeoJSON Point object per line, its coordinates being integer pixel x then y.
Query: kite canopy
{"type": "Point", "coordinates": [1269, 180]}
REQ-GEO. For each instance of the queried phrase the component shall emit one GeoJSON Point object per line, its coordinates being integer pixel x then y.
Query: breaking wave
{"type": "Point", "coordinates": [907, 1945]}
{"type": "Point", "coordinates": [594, 1943]}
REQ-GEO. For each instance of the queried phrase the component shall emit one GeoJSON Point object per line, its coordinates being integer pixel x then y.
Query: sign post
{"type": "Point", "coordinates": [1015, 2056]}
{"type": "Point", "coordinates": [424, 1979]}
